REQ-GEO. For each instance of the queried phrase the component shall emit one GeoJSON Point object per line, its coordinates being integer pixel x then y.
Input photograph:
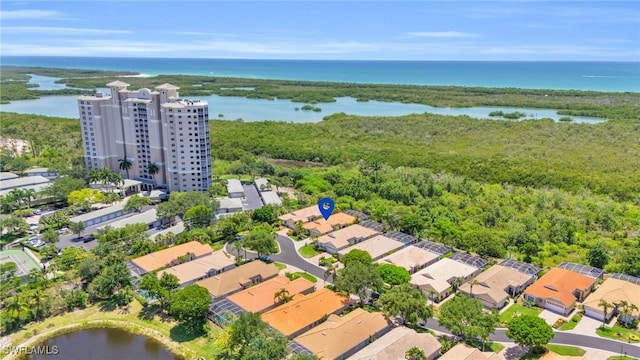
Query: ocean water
{"type": "Point", "coordinates": [599, 76]}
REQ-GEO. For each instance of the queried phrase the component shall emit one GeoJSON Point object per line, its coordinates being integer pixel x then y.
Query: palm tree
{"type": "Point", "coordinates": [432, 295]}
{"type": "Point", "coordinates": [282, 296]}
{"type": "Point", "coordinates": [237, 246]}
{"type": "Point", "coordinates": [17, 195]}
{"type": "Point", "coordinates": [330, 272]}
{"type": "Point", "coordinates": [153, 169]}
{"type": "Point", "coordinates": [37, 300]}
{"type": "Point", "coordinates": [125, 164]}
{"type": "Point", "coordinates": [415, 353]}
{"type": "Point", "coordinates": [15, 306]}
{"type": "Point", "coordinates": [605, 307]}
{"type": "Point", "coordinates": [94, 176]}
{"type": "Point", "coordinates": [455, 283]}
{"type": "Point", "coordinates": [625, 312]}
{"type": "Point", "coordinates": [28, 196]}
{"type": "Point", "coordinates": [471, 283]}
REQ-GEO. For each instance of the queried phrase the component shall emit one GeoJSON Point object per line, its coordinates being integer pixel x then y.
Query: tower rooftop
{"type": "Point", "coordinates": [117, 83]}
{"type": "Point", "coordinates": [166, 86]}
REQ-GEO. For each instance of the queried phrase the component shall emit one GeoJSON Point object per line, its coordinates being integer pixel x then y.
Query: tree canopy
{"type": "Point", "coordinates": [465, 317]}
{"type": "Point", "coordinates": [190, 305]}
{"type": "Point", "coordinates": [529, 330]}
{"type": "Point", "coordinates": [407, 302]}
{"type": "Point", "coordinates": [393, 274]}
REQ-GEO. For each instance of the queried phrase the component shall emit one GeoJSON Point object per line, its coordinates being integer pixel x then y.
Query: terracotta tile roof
{"type": "Point", "coordinates": [200, 267]}
{"type": "Point", "coordinates": [159, 259]}
{"type": "Point", "coordinates": [304, 310]}
{"type": "Point", "coordinates": [303, 215]}
{"type": "Point", "coordinates": [409, 257]}
{"type": "Point", "coordinates": [560, 284]}
{"type": "Point", "coordinates": [466, 352]}
{"type": "Point", "coordinates": [323, 226]}
{"type": "Point", "coordinates": [613, 291]}
{"type": "Point", "coordinates": [495, 280]}
{"type": "Point", "coordinates": [338, 335]}
{"type": "Point", "coordinates": [340, 238]}
{"type": "Point", "coordinates": [235, 279]}
{"type": "Point", "coordinates": [260, 297]}
{"type": "Point", "coordinates": [395, 343]}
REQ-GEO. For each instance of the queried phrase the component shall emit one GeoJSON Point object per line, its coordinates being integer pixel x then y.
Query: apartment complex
{"type": "Point", "coordinates": [147, 128]}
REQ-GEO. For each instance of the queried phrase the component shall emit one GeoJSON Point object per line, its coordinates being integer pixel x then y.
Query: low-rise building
{"type": "Point", "coordinates": [301, 215]}
{"type": "Point", "coordinates": [395, 344]}
{"type": "Point", "coordinates": [343, 238]}
{"type": "Point", "coordinates": [559, 289]}
{"type": "Point", "coordinates": [175, 229]}
{"type": "Point", "coordinates": [614, 291]}
{"type": "Point", "coordinates": [341, 337]}
{"type": "Point", "coordinates": [167, 257]}
{"type": "Point", "coordinates": [262, 184]}
{"type": "Point", "coordinates": [435, 280]}
{"type": "Point", "coordinates": [234, 188]}
{"type": "Point", "coordinates": [378, 246]}
{"type": "Point", "coordinates": [200, 268]}
{"type": "Point", "coordinates": [335, 222]}
{"type": "Point", "coordinates": [44, 172]}
{"type": "Point", "coordinates": [229, 205]}
{"type": "Point", "coordinates": [5, 175]}
{"type": "Point", "coordinates": [270, 198]}
{"type": "Point", "coordinates": [494, 286]}
{"type": "Point", "coordinates": [304, 312]}
{"type": "Point", "coordinates": [102, 215]}
{"type": "Point", "coordinates": [465, 352]}
{"type": "Point", "coordinates": [222, 285]}
{"type": "Point", "coordinates": [20, 182]}
{"type": "Point", "coordinates": [262, 297]}
{"type": "Point", "coordinates": [149, 218]}
{"type": "Point", "coordinates": [411, 258]}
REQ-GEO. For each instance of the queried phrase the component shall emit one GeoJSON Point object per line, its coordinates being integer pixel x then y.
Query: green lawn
{"type": "Point", "coordinates": [618, 332]}
{"type": "Point", "coordinates": [571, 323]}
{"type": "Point", "coordinates": [280, 266]}
{"type": "Point", "coordinates": [217, 246]}
{"type": "Point", "coordinates": [308, 251]}
{"type": "Point", "coordinates": [506, 316]}
{"type": "Point", "coordinates": [496, 347]}
{"type": "Point", "coordinates": [295, 275]}
{"type": "Point", "coordinates": [243, 178]}
{"type": "Point", "coordinates": [566, 350]}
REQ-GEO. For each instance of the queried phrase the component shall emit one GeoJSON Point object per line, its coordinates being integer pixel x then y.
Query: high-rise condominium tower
{"type": "Point", "coordinates": [163, 139]}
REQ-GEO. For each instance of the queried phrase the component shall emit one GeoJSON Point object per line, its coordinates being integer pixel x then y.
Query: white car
{"type": "Point", "coordinates": [63, 230]}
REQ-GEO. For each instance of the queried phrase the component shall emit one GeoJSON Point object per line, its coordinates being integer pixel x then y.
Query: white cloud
{"type": "Point", "coordinates": [441, 34]}
{"type": "Point", "coordinates": [30, 14]}
{"type": "Point", "coordinates": [59, 30]}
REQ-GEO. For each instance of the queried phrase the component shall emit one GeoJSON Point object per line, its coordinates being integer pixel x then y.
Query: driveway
{"type": "Point", "coordinates": [550, 317]}
{"type": "Point", "coordinates": [587, 326]}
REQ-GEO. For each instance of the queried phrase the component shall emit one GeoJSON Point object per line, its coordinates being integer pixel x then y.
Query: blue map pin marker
{"type": "Point", "coordinates": [326, 206]}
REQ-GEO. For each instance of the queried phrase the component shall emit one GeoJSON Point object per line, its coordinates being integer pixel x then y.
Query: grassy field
{"type": "Point", "coordinates": [308, 251]}
{"type": "Point", "coordinates": [566, 350]}
{"type": "Point", "coordinates": [144, 321]}
{"type": "Point", "coordinates": [618, 332]}
{"type": "Point", "coordinates": [506, 316]}
{"type": "Point", "coordinates": [280, 266]}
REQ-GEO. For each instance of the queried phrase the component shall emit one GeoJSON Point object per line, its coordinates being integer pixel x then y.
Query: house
{"type": "Point", "coordinates": [465, 352]}
{"type": "Point", "coordinates": [304, 311]}
{"type": "Point", "coordinates": [175, 229]}
{"type": "Point", "coordinates": [435, 280]}
{"type": "Point", "coordinates": [341, 337]}
{"type": "Point", "coordinates": [262, 184]}
{"type": "Point", "coordinates": [101, 215]}
{"type": "Point", "coordinates": [200, 268]}
{"type": "Point", "coordinates": [162, 258]}
{"type": "Point", "coordinates": [378, 246]}
{"type": "Point", "coordinates": [411, 258]}
{"type": "Point", "coordinates": [149, 218]}
{"type": "Point", "coordinates": [234, 280]}
{"type": "Point", "coordinates": [395, 343]}
{"type": "Point", "coordinates": [335, 222]}
{"type": "Point", "coordinates": [261, 297]}
{"type": "Point", "coordinates": [340, 239]}
{"type": "Point", "coordinates": [559, 289]}
{"type": "Point", "coordinates": [302, 215]}
{"type": "Point", "coordinates": [234, 188]}
{"type": "Point", "coordinates": [270, 198]}
{"type": "Point", "coordinates": [612, 291]}
{"type": "Point", "coordinates": [494, 286]}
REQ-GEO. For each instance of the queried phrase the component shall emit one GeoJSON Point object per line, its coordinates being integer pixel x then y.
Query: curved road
{"type": "Point", "coordinates": [289, 255]}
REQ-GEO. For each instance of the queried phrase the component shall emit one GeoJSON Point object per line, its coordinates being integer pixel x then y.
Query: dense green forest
{"type": "Point", "coordinates": [623, 106]}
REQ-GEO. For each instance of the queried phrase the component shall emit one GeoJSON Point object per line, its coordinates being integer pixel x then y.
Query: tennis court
{"type": "Point", "coordinates": [24, 262]}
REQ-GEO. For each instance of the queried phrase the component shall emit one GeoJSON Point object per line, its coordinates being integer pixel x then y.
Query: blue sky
{"type": "Point", "coordinates": [379, 30]}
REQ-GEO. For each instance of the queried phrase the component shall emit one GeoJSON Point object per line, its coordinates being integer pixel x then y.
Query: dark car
{"type": "Point", "coordinates": [265, 258]}
{"type": "Point", "coordinates": [88, 239]}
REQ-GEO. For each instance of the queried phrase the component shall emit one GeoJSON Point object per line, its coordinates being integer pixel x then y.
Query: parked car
{"type": "Point", "coordinates": [37, 212]}
{"type": "Point", "coordinates": [88, 239]}
{"type": "Point", "coordinates": [265, 258]}
{"type": "Point", "coordinates": [63, 230]}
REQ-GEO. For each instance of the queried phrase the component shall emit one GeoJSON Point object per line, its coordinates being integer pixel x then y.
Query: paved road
{"type": "Point", "coordinates": [288, 255]}
{"type": "Point", "coordinates": [560, 337]}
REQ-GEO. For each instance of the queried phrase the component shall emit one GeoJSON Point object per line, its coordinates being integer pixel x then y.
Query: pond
{"type": "Point", "coordinates": [101, 343]}
{"type": "Point", "coordinates": [234, 107]}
